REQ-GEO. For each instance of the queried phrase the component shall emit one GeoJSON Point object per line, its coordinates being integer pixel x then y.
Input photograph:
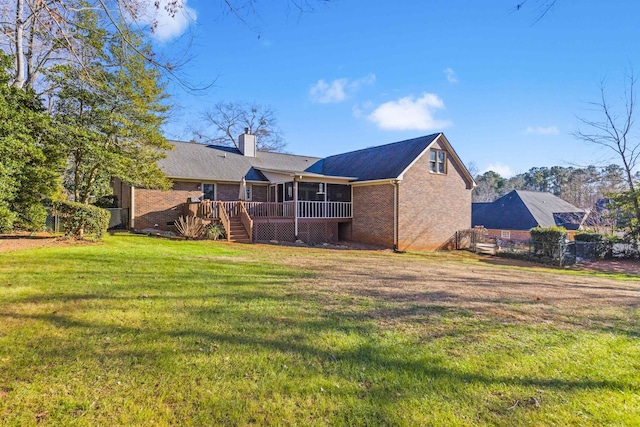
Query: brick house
{"type": "Point", "coordinates": [511, 216]}
{"type": "Point", "coordinates": [409, 195]}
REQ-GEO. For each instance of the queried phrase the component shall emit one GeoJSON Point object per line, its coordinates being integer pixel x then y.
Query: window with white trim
{"type": "Point", "coordinates": [438, 161]}
{"type": "Point", "coordinates": [249, 192]}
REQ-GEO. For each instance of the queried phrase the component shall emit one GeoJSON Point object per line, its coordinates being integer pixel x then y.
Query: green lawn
{"type": "Point", "coordinates": [145, 331]}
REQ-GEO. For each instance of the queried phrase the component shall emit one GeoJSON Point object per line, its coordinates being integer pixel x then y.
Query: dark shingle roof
{"type": "Point", "coordinates": [190, 160]}
{"type": "Point", "coordinates": [381, 162]}
{"type": "Point", "coordinates": [523, 210]}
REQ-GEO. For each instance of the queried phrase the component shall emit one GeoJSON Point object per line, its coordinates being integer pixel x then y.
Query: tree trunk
{"type": "Point", "coordinates": [18, 42]}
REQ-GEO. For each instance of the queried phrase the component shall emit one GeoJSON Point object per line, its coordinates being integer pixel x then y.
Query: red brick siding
{"type": "Point", "coordinates": [514, 235]}
{"type": "Point", "coordinates": [161, 207]}
{"type": "Point", "coordinates": [228, 192]}
{"type": "Point", "coordinates": [259, 193]}
{"type": "Point", "coordinates": [432, 207]}
{"type": "Point", "coordinates": [519, 235]}
{"type": "Point", "coordinates": [373, 214]}
{"type": "Point", "coordinates": [122, 191]}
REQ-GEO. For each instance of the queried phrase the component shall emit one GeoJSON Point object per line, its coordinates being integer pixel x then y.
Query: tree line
{"type": "Point", "coordinates": [582, 187]}
{"type": "Point", "coordinates": [82, 100]}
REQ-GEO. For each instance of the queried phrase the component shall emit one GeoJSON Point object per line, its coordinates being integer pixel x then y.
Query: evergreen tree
{"type": "Point", "coordinates": [111, 116]}
{"type": "Point", "coordinates": [30, 157]}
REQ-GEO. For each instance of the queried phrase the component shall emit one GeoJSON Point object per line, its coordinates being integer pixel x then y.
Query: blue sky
{"type": "Point", "coordinates": [503, 88]}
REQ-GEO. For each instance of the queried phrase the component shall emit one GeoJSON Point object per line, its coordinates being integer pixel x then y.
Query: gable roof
{"type": "Point", "coordinates": [192, 160]}
{"type": "Point", "coordinates": [523, 210]}
{"type": "Point", "coordinates": [369, 164]}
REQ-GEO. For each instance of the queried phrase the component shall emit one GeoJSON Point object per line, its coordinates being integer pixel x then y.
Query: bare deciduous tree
{"type": "Point", "coordinates": [615, 132]}
{"type": "Point", "coordinates": [229, 119]}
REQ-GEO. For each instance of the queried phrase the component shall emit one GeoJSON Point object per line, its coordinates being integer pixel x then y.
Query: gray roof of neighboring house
{"type": "Point", "coordinates": [191, 160]}
{"type": "Point", "coordinates": [382, 162]}
{"type": "Point", "coordinates": [523, 210]}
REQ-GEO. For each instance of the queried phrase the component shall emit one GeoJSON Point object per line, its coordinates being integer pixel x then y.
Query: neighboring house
{"type": "Point", "coordinates": [412, 194]}
{"type": "Point", "coordinates": [512, 216]}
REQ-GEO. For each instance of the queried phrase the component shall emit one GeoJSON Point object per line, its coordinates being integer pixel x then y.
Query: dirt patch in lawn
{"type": "Point", "coordinates": [19, 241]}
{"type": "Point", "coordinates": [401, 287]}
{"type": "Point", "coordinates": [613, 266]}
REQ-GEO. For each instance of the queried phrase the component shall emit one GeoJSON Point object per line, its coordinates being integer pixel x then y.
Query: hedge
{"type": "Point", "coordinates": [80, 220]}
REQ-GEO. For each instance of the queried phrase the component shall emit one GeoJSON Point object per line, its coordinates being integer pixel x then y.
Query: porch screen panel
{"type": "Point", "coordinates": [310, 191]}
{"type": "Point", "coordinates": [338, 193]}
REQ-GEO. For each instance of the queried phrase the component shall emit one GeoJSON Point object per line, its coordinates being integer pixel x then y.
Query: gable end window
{"type": "Point", "coordinates": [438, 161]}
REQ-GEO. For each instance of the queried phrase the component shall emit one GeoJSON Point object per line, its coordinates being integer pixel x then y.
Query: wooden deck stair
{"type": "Point", "coordinates": [237, 233]}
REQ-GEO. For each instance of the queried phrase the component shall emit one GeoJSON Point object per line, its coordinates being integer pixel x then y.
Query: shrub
{"type": "Point", "coordinates": [588, 237]}
{"type": "Point", "coordinates": [214, 232]}
{"type": "Point", "coordinates": [548, 242]}
{"type": "Point", "coordinates": [7, 217]}
{"type": "Point", "coordinates": [79, 220]}
{"type": "Point", "coordinates": [190, 227]}
{"type": "Point", "coordinates": [32, 217]}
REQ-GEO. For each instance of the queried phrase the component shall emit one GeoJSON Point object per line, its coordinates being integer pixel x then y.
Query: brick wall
{"type": "Point", "coordinates": [228, 192]}
{"type": "Point", "coordinates": [519, 235]}
{"type": "Point", "coordinates": [122, 191]}
{"type": "Point", "coordinates": [514, 235]}
{"type": "Point", "coordinates": [162, 207]}
{"type": "Point", "coordinates": [373, 214]}
{"type": "Point", "coordinates": [432, 207]}
{"type": "Point", "coordinates": [259, 193]}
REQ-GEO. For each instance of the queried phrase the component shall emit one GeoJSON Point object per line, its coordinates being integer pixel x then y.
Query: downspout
{"type": "Point", "coordinates": [132, 209]}
{"type": "Point", "coordinates": [395, 184]}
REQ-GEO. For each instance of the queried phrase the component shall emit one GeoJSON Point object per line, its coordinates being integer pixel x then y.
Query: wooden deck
{"type": "Point", "coordinates": [248, 213]}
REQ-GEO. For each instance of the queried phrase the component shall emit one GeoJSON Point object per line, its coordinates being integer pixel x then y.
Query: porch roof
{"type": "Point", "coordinates": [306, 174]}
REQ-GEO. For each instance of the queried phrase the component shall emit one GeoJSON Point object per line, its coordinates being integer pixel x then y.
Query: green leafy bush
{"type": "Point", "coordinates": [548, 243]}
{"type": "Point", "coordinates": [214, 232]}
{"type": "Point", "coordinates": [80, 220]}
{"type": "Point", "coordinates": [588, 237]}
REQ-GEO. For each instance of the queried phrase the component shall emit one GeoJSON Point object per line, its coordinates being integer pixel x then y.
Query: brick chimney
{"type": "Point", "coordinates": [247, 143]}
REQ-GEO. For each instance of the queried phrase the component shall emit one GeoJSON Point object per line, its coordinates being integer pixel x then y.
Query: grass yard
{"type": "Point", "coordinates": [145, 331]}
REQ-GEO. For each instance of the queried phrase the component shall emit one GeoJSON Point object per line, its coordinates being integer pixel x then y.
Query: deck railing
{"type": "Point", "coordinates": [306, 209]}
{"type": "Point", "coordinates": [269, 209]}
{"type": "Point", "coordinates": [224, 219]}
{"type": "Point", "coordinates": [246, 220]}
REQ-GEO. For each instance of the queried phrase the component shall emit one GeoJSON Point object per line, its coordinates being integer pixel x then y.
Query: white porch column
{"type": "Point", "coordinates": [295, 205]}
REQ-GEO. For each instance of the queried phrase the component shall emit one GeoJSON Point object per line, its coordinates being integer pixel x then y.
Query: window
{"type": "Point", "coordinates": [438, 161]}
{"type": "Point", "coordinates": [288, 191]}
{"type": "Point", "coordinates": [208, 191]}
{"type": "Point", "coordinates": [505, 234]}
{"type": "Point", "coordinates": [248, 192]}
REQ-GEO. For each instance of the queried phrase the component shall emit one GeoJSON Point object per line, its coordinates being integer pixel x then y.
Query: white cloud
{"type": "Point", "coordinates": [451, 75]}
{"type": "Point", "coordinates": [409, 113]}
{"type": "Point", "coordinates": [165, 26]}
{"type": "Point", "coordinates": [338, 90]}
{"type": "Point", "coordinates": [325, 93]}
{"type": "Point", "coordinates": [503, 170]}
{"type": "Point", "coordinates": [551, 130]}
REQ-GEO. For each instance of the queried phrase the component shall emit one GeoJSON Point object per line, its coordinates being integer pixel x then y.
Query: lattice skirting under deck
{"type": "Point", "coordinates": [309, 231]}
